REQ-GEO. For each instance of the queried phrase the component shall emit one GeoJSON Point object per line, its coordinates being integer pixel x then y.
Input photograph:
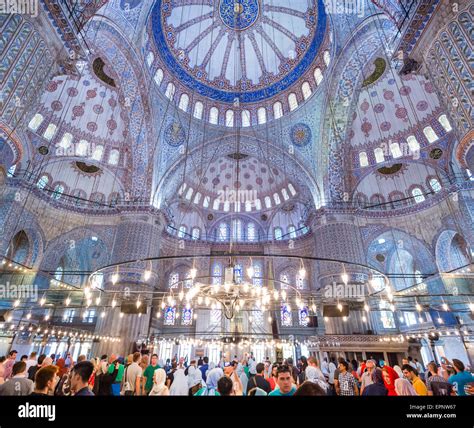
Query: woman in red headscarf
{"type": "Point", "coordinates": [389, 377]}
{"type": "Point", "coordinates": [61, 363]}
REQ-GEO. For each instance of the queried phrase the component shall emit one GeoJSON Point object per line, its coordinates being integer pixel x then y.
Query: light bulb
{"type": "Point", "coordinates": [68, 301]}
{"type": "Point", "coordinates": [181, 295]}
{"type": "Point", "coordinates": [139, 303]}
{"type": "Point", "coordinates": [418, 307]}
{"type": "Point", "coordinates": [46, 317]}
{"type": "Point", "coordinates": [471, 307]}
{"type": "Point", "coordinates": [302, 272]}
{"type": "Point", "coordinates": [339, 306]}
{"type": "Point", "coordinates": [42, 301]}
{"type": "Point", "coordinates": [366, 307]}
{"type": "Point", "coordinates": [445, 307]}
{"type": "Point", "coordinates": [102, 314]}
{"type": "Point", "coordinates": [283, 294]}
{"type": "Point", "coordinates": [147, 275]}
{"type": "Point", "coordinates": [115, 278]}
{"type": "Point", "coordinates": [193, 273]}
{"type": "Point", "coordinates": [199, 300]}
{"type": "Point", "coordinates": [364, 319]}
{"type": "Point", "coordinates": [344, 319]}
{"type": "Point", "coordinates": [114, 303]}
{"type": "Point", "coordinates": [28, 316]}
{"type": "Point", "coordinates": [250, 272]}
{"type": "Point", "coordinates": [275, 294]}
{"type": "Point", "coordinates": [16, 303]}
{"type": "Point", "coordinates": [345, 278]}
{"type": "Point", "coordinates": [97, 301]}
{"type": "Point", "coordinates": [158, 315]}
{"type": "Point", "coordinates": [269, 319]}
{"type": "Point", "coordinates": [392, 307]}
{"type": "Point", "coordinates": [121, 314]}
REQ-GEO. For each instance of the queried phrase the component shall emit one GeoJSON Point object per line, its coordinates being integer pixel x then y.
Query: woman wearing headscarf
{"type": "Point", "coordinates": [398, 371]}
{"type": "Point", "coordinates": [377, 388]}
{"type": "Point", "coordinates": [389, 378]}
{"type": "Point", "coordinates": [404, 387]}
{"type": "Point", "coordinates": [159, 387]}
{"type": "Point", "coordinates": [212, 365]}
{"type": "Point", "coordinates": [194, 380]}
{"type": "Point", "coordinates": [180, 383]}
{"type": "Point", "coordinates": [212, 378]}
{"type": "Point", "coordinates": [240, 372]}
{"type": "Point", "coordinates": [61, 363]}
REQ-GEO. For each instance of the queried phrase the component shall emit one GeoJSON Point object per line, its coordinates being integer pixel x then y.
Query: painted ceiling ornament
{"type": "Point", "coordinates": [174, 134]}
{"type": "Point", "coordinates": [245, 50]}
{"type": "Point", "coordinates": [300, 134]}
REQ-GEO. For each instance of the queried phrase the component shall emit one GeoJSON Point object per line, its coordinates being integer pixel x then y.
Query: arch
{"type": "Point", "coordinates": [452, 251]}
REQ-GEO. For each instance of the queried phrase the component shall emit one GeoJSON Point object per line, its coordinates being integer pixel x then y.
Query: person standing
{"type": "Point", "coordinates": [204, 368]}
{"type": "Point", "coordinates": [18, 384]}
{"type": "Point", "coordinates": [81, 374]}
{"type": "Point", "coordinates": [159, 387]}
{"type": "Point", "coordinates": [286, 385]}
{"type": "Point", "coordinates": [8, 365]}
{"type": "Point", "coordinates": [132, 376]}
{"type": "Point", "coordinates": [259, 381]}
{"type": "Point", "coordinates": [34, 368]}
{"type": "Point", "coordinates": [149, 373]}
{"type": "Point", "coordinates": [436, 384]}
{"type": "Point", "coordinates": [461, 378]}
{"type": "Point", "coordinates": [346, 385]}
{"type": "Point", "coordinates": [45, 381]}
{"type": "Point", "coordinates": [412, 375]}
{"type": "Point", "coordinates": [366, 377]}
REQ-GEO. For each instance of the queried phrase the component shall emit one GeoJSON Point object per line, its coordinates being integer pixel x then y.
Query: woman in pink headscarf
{"type": "Point", "coordinates": [404, 387]}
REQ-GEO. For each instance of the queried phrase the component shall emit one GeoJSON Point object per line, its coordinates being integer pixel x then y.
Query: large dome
{"type": "Point", "coordinates": [238, 50]}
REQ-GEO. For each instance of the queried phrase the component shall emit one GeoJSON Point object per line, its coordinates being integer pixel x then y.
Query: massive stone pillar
{"type": "Point", "coordinates": [338, 237]}
{"type": "Point", "coordinates": [137, 237]}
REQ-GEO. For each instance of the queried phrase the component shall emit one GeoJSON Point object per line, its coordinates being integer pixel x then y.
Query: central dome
{"type": "Point", "coordinates": [238, 50]}
{"type": "Point", "coordinates": [239, 14]}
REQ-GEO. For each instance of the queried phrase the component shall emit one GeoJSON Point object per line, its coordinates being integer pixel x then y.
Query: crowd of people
{"type": "Point", "coordinates": [142, 375]}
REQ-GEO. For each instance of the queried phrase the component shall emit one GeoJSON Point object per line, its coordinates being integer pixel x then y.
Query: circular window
{"type": "Point", "coordinates": [436, 153]}
{"type": "Point", "coordinates": [380, 257]}
{"type": "Point", "coordinates": [43, 150]}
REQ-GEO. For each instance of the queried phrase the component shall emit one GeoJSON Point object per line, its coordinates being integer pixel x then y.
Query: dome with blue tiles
{"type": "Point", "coordinates": [242, 51]}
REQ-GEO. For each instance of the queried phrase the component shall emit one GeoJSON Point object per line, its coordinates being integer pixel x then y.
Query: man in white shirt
{"type": "Point", "coordinates": [31, 361]}
{"type": "Point", "coordinates": [366, 377]}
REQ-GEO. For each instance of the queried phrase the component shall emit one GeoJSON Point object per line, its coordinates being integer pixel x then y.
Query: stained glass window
{"type": "Point", "coordinates": [251, 232]}
{"type": "Point", "coordinates": [284, 281]}
{"type": "Point", "coordinates": [304, 317]}
{"type": "Point", "coordinates": [169, 317]}
{"type": "Point", "coordinates": [187, 317]}
{"type": "Point", "coordinates": [217, 274]}
{"type": "Point", "coordinates": [174, 279]}
{"type": "Point", "coordinates": [238, 273]}
{"type": "Point", "coordinates": [257, 275]}
{"type": "Point", "coordinates": [286, 317]}
{"type": "Point", "coordinates": [299, 282]}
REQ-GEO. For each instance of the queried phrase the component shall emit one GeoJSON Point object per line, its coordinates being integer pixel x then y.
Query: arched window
{"type": "Point", "coordinates": [158, 77]}
{"type": "Point", "coordinates": [284, 281]}
{"type": "Point", "coordinates": [98, 152]}
{"type": "Point", "coordinates": [217, 274]}
{"type": "Point", "coordinates": [196, 233]}
{"type": "Point", "coordinates": [292, 101]}
{"type": "Point", "coordinates": [197, 197]}
{"type": "Point", "coordinates": [327, 58]}
{"type": "Point", "coordinates": [276, 198]}
{"type": "Point", "coordinates": [379, 156]}
{"type": "Point", "coordinates": [66, 141]}
{"type": "Point", "coordinates": [318, 76]}
{"type": "Point", "coordinates": [237, 229]}
{"type": "Point", "coordinates": [418, 195]}
{"type": "Point", "coordinates": [248, 205]}
{"type": "Point", "coordinates": [306, 90]}
{"type": "Point", "coordinates": [149, 58]}
{"type": "Point", "coordinates": [198, 109]}
{"type": "Point", "coordinates": [182, 231]}
{"type": "Point", "coordinates": [435, 185]}
{"type": "Point", "coordinates": [214, 115]}
{"type": "Point", "coordinates": [50, 131]}
{"type": "Point", "coordinates": [277, 110]}
{"type": "Point", "coordinates": [173, 280]}
{"type": "Point", "coordinates": [268, 202]}
{"type": "Point", "coordinates": [206, 201]}
{"type": "Point", "coordinates": [170, 90]}
{"type": "Point", "coordinates": [395, 150]}
{"type": "Point", "coordinates": [229, 118]}
{"type": "Point", "coordinates": [251, 232]}
{"type": "Point", "coordinates": [216, 204]}
{"type": "Point", "coordinates": [35, 122]}
{"type": "Point", "coordinates": [42, 182]}
{"type": "Point", "coordinates": [303, 317]}
{"type": "Point", "coordinates": [278, 232]}
{"type": "Point", "coordinates": [261, 115]}
{"type": "Point", "coordinates": [303, 228]}
{"type": "Point", "coordinates": [292, 189]}
{"type": "Point", "coordinates": [363, 160]}
{"type": "Point", "coordinates": [98, 198]}
{"type": "Point", "coordinates": [258, 274]}
{"type": "Point", "coordinates": [58, 191]}
{"type": "Point", "coordinates": [82, 148]}
{"type": "Point", "coordinates": [11, 170]}
{"type": "Point", "coordinates": [182, 188]}
{"type": "Point", "coordinates": [430, 134]}
{"type": "Point", "coordinates": [286, 317]}
{"type": "Point", "coordinates": [114, 157]}
{"type": "Point", "coordinates": [245, 118]}
{"type": "Point", "coordinates": [413, 144]}
{"type": "Point", "coordinates": [222, 232]}
{"type": "Point", "coordinates": [258, 204]}
{"type": "Point", "coordinates": [226, 206]}
{"type": "Point", "coordinates": [183, 102]}
{"type": "Point", "coordinates": [170, 315]}
{"type": "Point", "coordinates": [189, 193]}
{"type": "Point", "coordinates": [292, 231]}
{"type": "Point", "coordinates": [443, 120]}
